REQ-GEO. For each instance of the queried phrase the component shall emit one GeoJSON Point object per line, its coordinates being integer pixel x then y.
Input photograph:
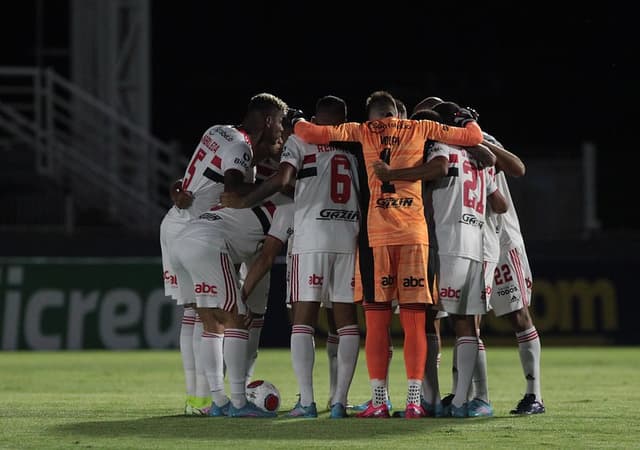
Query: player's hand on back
{"type": "Point", "coordinates": [474, 113]}
{"type": "Point", "coordinates": [465, 115]}
{"type": "Point", "coordinates": [181, 198]}
{"type": "Point", "coordinates": [293, 116]}
{"type": "Point", "coordinates": [382, 170]}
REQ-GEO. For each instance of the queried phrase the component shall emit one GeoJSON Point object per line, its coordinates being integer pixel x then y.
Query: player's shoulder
{"type": "Point", "coordinates": [228, 134]}
{"type": "Point", "coordinates": [293, 144]}
{"type": "Point", "coordinates": [441, 147]}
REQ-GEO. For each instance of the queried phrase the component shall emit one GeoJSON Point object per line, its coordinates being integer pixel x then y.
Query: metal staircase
{"type": "Point", "coordinates": [99, 156]}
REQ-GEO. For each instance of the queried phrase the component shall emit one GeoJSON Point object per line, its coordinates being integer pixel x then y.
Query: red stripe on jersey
{"type": "Point", "coordinates": [216, 161]}
{"type": "Point", "coordinates": [309, 159]}
{"type": "Point", "coordinates": [270, 207]}
{"type": "Point", "coordinates": [264, 170]}
{"type": "Point", "coordinates": [246, 137]}
{"type": "Point", "coordinates": [453, 158]}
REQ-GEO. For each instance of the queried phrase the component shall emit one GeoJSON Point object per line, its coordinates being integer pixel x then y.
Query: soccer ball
{"type": "Point", "coordinates": [264, 395]}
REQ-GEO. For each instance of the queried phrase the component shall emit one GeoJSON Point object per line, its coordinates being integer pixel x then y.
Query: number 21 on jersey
{"type": "Point", "coordinates": [473, 187]}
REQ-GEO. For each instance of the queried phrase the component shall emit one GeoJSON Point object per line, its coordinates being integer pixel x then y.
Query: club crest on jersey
{"type": "Point", "coordinates": [394, 202]}
{"type": "Point", "coordinates": [339, 214]}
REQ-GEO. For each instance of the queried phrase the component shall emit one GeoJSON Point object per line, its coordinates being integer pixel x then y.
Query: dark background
{"type": "Point", "coordinates": [543, 79]}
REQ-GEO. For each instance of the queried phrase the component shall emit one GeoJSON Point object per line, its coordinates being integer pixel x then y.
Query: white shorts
{"type": "Point", "coordinates": [170, 229]}
{"type": "Point", "coordinates": [257, 301]}
{"type": "Point", "coordinates": [461, 286]}
{"type": "Point", "coordinates": [322, 277]}
{"type": "Point", "coordinates": [509, 281]}
{"type": "Point", "coordinates": [207, 275]}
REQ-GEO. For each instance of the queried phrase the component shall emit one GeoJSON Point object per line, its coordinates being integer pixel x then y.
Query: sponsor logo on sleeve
{"type": "Point", "coordinates": [223, 133]}
{"type": "Point", "coordinates": [241, 162]}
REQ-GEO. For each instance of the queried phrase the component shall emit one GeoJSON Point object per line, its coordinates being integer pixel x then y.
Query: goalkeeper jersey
{"type": "Point", "coordinates": [395, 213]}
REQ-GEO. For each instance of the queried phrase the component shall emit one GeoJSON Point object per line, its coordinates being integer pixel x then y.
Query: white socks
{"type": "Point", "coordinates": [332, 355]}
{"type": "Point", "coordinates": [202, 385]}
{"type": "Point", "coordinates": [303, 359]}
{"type": "Point", "coordinates": [348, 348]}
{"type": "Point", "coordinates": [186, 350]}
{"type": "Point", "coordinates": [211, 356]}
{"type": "Point", "coordinates": [467, 354]}
{"type": "Point", "coordinates": [252, 347]}
{"type": "Point", "coordinates": [236, 342]}
{"type": "Point", "coordinates": [529, 349]}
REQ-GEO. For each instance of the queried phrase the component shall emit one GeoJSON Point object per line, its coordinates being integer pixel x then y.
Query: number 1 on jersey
{"type": "Point", "coordinates": [387, 187]}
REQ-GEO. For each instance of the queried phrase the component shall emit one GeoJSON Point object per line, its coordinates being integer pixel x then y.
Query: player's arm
{"type": "Point", "coordinates": [483, 155]}
{"type": "Point", "coordinates": [322, 134]}
{"type": "Point", "coordinates": [506, 161]}
{"type": "Point", "coordinates": [497, 202]}
{"type": "Point", "coordinates": [468, 136]}
{"type": "Point", "coordinates": [285, 175]}
{"type": "Point", "coordinates": [429, 171]}
{"type": "Point", "coordinates": [261, 265]}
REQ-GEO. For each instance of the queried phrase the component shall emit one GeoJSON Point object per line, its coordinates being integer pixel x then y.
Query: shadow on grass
{"type": "Point", "coordinates": [281, 428]}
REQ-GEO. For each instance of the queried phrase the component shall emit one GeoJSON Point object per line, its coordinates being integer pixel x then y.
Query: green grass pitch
{"type": "Point", "coordinates": [134, 400]}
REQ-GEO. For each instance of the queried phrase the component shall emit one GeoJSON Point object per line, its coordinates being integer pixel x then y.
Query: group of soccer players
{"type": "Point", "coordinates": [363, 194]}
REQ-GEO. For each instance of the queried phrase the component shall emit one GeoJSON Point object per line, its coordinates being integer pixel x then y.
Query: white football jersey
{"type": "Point", "coordinates": [507, 224]}
{"type": "Point", "coordinates": [459, 203]}
{"type": "Point", "coordinates": [221, 148]}
{"type": "Point", "coordinates": [240, 232]}
{"type": "Point", "coordinates": [491, 228]}
{"type": "Point", "coordinates": [327, 213]}
{"type": "Point", "coordinates": [266, 169]}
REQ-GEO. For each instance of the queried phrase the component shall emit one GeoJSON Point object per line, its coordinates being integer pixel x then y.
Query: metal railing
{"type": "Point", "coordinates": [103, 158]}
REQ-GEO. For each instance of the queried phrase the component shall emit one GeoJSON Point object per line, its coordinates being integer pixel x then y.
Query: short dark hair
{"type": "Point", "coordinates": [334, 105]}
{"type": "Point", "coordinates": [401, 107]}
{"type": "Point", "coordinates": [447, 111]}
{"type": "Point", "coordinates": [381, 100]}
{"type": "Point", "coordinates": [266, 103]}
{"type": "Point", "coordinates": [426, 114]}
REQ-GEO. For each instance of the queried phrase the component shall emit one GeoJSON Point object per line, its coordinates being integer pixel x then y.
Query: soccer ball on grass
{"type": "Point", "coordinates": [264, 395]}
